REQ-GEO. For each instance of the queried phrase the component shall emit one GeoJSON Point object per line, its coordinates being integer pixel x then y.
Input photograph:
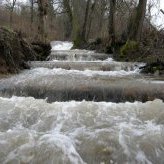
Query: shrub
{"type": "Point", "coordinates": [6, 28]}
{"type": "Point", "coordinates": [98, 41]}
{"type": "Point", "coordinates": [130, 46]}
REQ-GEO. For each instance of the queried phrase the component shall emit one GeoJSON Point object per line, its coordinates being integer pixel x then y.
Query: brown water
{"type": "Point", "coordinates": [111, 126]}
{"type": "Point", "coordinates": [33, 131]}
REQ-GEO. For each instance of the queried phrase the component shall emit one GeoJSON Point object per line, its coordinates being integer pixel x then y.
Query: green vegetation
{"type": "Point", "coordinates": [78, 42]}
{"type": "Point", "coordinates": [7, 28]}
{"type": "Point", "coordinates": [129, 47]}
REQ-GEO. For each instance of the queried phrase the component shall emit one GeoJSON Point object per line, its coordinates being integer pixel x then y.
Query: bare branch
{"type": "Point", "coordinates": [162, 11]}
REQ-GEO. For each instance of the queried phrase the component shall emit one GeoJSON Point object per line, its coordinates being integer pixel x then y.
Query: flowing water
{"type": "Point", "coordinates": [100, 112]}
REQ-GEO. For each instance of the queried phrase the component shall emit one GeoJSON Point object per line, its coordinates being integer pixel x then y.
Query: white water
{"type": "Point", "coordinates": [61, 45]}
{"type": "Point", "coordinates": [41, 72]}
{"type": "Point", "coordinates": [33, 131]}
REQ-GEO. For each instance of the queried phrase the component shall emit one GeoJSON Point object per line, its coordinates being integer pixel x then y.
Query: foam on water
{"type": "Point", "coordinates": [42, 72]}
{"type": "Point", "coordinates": [153, 81]}
{"type": "Point", "coordinates": [34, 131]}
{"type": "Point", "coordinates": [58, 71]}
{"type": "Point", "coordinates": [59, 45]}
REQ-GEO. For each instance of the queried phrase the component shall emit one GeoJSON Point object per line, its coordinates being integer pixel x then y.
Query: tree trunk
{"type": "Point", "coordinates": [111, 28]}
{"type": "Point", "coordinates": [11, 18]}
{"type": "Point", "coordinates": [79, 31]}
{"type": "Point", "coordinates": [136, 24]}
{"type": "Point", "coordinates": [90, 19]}
{"type": "Point", "coordinates": [11, 12]}
{"type": "Point", "coordinates": [101, 18]}
{"type": "Point", "coordinates": [42, 14]}
{"type": "Point", "coordinates": [77, 39]}
{"type": "Point", "coordinates": [161, 11]}
{"type": "Point", "coordinates": [85, 20]}
{"type": "Point", "coordinates": [32, 13]}
{"type": "Point", "coordinates": [68, 9]}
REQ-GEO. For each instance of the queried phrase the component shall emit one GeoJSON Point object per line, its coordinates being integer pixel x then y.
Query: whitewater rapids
{"type": "Point", "coordinates": [51, 123]}
{"type": "Point", "coordinates": [34, 131]}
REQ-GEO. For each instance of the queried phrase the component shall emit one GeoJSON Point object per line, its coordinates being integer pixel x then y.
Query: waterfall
{"type": "Point", "coordinates": [81, 107]}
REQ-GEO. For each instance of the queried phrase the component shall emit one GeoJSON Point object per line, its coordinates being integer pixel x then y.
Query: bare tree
{"type": "Point", "coordinates": [10, 5]}
{"type": "Point", "coordinates": [1, 2]}
{"type": "Point", "coordinates": [112, 21]}
{"type": "Point", "coordinates": [79, 29]}
{"type": "Point", "coordinates": [68, 9]}
{"type": "Point", "coordinates": [42, 15]}
{"type": "Point", "coordinates": [136, 23]}
{"type": "Point", "coordinates": [32, 11]}
{"type": "Point", "coordinates": [91, 18]}
{"type": "Point", "coordinates": [101, 17]}
{"type": "Point", "coordinates": [162, 11]}
{"type": "Point", "coordinates": [84, 28]}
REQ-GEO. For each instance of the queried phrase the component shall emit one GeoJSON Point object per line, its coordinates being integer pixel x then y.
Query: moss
{"type": "Point", "coordinates": [14, 51]}
{"type": "Point", "coordinates": [79, 41]}
{"type": "Point", "coordinates": [129, 47]}
{"type": "Point", "coordinates": [6, 28]}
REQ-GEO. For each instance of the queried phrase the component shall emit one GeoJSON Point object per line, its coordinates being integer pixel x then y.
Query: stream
{"type": "Point", "coordinates": [81, 107]}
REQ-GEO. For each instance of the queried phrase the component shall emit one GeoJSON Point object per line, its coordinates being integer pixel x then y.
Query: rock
{"type": "Point", "coordinates": [42, 50]}
{"type": "Point", "coordinates": [156, 68]}
{"type": "Point", "coordinates": [14, 52]}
